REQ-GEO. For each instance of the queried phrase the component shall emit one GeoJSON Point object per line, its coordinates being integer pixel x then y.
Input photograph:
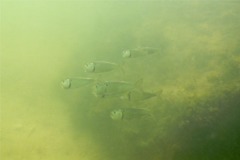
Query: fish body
{"type": "Point", "coordinates": [72, 83]}
{"type": "Point", "coordinates": [129, 113]}
{"type": "Point", "coordinates": [139, 52]}
{"type": "Point", "coordinates": [99, 67]}
{"type": "Point", "coordinates": [138, 95]}
{"type": "Point", "coordinates": [112, 88]}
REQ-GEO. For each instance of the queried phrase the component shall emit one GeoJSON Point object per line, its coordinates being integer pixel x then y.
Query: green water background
{"type": "Point", "coordinates": [197, 72]}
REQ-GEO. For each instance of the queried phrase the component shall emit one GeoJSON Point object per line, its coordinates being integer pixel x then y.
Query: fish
{"type": "Point", "coordinates": [130, 113]}
{"type": "Point", "coordinates": [113, 88]}
{"type": "Point", "coordinates": [139, 95]}
{"type": "Point", "coordinates": [139, 52]}
{"type": "Point", "coordinates": [72, 83]}
{"type": "Point", "coordinates": [99, 66]}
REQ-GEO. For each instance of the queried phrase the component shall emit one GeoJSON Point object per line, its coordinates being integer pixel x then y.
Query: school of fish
{"type": "Point", "coordinates": [124, 90]}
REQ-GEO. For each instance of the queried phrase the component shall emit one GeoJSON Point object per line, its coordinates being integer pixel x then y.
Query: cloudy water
{"type": "Point", "coordinates": [170, 70]}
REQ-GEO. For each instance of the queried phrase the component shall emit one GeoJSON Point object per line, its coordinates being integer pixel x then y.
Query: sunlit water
{"type": "Point", "coordinates": [195, 76]}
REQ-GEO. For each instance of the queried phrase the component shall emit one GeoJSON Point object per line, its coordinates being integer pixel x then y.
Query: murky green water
{"type": "Point", "coordinates": [195, 76]}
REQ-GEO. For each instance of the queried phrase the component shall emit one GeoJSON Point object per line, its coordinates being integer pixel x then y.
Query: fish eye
{"type": "Point", "coordinates": [66, 83]}
{"type": "Point", "coordinates": [126, 53]}
{"type": "Point", "coordinates": [89, 67]}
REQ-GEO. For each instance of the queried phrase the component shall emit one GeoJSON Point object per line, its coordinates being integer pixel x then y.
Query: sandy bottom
{"type": "Point", "coordinates": [32, 132]}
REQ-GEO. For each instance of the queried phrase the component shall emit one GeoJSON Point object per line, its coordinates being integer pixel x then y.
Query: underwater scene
{"type": "Point", "coordinates": [120, 80]}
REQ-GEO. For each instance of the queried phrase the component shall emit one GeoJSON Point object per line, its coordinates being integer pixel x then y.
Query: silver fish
{"type": "Point", "coordinates": [138, 95]}
{"type": "Point", "coordinates": [112, 88]}
{"type": "Point", "coordinates": [99, 66]}
{"type": "Point", "coordinates": [130, 113]}
{"type": "Point", "coordinates": [138, 52]}
{"type": "Point", "coordinates": [71, 83]}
